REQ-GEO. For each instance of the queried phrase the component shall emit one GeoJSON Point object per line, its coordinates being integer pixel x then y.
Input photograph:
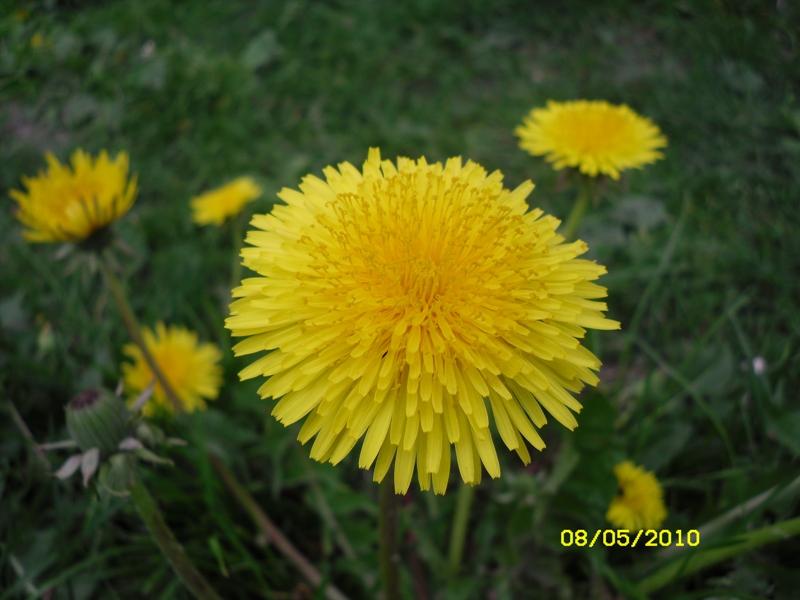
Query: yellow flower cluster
{"type": "Point", "coordinates": [70, 204]}
{"type": "Point", "coordinates": [595, 137]}
{"type": "Point", "coordinates": [395, 301]}
{"type": "Point", "coordinates": [640, 501]}
{"type": "Point", "coordinates": [191, 367]}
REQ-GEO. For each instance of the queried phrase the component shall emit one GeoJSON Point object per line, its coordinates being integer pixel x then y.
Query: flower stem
{"type": "Point", "coordinates": [132, 326]}
{"type": "Point", "coordinates": [706, 558]}
{"type": "Point", "coordinates": [458, 536]}
{"type": "Point", "coordinates": [168, 545]}
{"type": "Point", "coordinates": [578, 210]}
{"type": "Point", "coordinates": [387, 530]}
{"type": "Point", "coordinates": [271, 531]}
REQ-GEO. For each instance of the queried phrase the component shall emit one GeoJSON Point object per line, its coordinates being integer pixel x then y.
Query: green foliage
{"type": "Point", "coordinates": [200, 93]}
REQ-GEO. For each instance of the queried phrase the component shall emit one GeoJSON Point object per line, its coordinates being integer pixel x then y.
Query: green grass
{"type": "Point", "coordinates": [702, 252]}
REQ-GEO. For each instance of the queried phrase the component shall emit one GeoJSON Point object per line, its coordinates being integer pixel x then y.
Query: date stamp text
{"type": "Point", "coordinates": [622, 537]}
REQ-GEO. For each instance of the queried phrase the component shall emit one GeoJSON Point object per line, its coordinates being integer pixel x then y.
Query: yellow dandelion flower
{"type": "Point", "coordinates": [400, 302]}
{"type": "Point", "coordinates": [192, 368]}
{"type": "Point", "coordinates": [37, 40]}
{"type": "Point", "coordinates": [594, 136]}
{"type": "Point", "coordinates": [214, 206]}
{"type": "Point", "coordinates": [640, 501]}
{"type": "Point", "coordinates": [70, 204]}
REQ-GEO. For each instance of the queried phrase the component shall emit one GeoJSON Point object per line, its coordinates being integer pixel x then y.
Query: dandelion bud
{"type": "Point", "coordinates": [96, 418]}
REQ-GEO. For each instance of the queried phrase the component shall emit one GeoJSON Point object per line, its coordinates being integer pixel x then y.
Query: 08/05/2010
{"type": "Point", "coordinates": [622, 537]}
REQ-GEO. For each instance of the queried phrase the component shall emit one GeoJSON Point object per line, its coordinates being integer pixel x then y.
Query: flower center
{"type": "Point", "coordinates": [597, 131]}
{"type": "Point", "coordinates": [424, 250]}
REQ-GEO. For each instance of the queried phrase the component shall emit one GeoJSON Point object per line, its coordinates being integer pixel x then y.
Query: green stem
{"type": "Point", "coordinates": [578, 210]}
{"type": "Point", "coordinates": [458, 536]}
{"type": "Point", "coordinates": [271, 531]}
{"type": "Point", "coordinates": [168, 545]}
{"type": "Point", "coordinates": [387, 530]}
{"type": "Point", "coordinates": [705, 558]}
{"type": "Point", "coordinates": [132, 326]}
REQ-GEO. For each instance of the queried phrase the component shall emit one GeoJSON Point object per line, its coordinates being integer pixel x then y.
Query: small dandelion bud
{"type": "Point", "coordinates": [96, 418]}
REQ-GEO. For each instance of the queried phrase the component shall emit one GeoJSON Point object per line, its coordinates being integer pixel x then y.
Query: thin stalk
{"type": "Point", "coordinates": [705, 558]}
{"type": "Point", "coordinates": [132, 326]}
{"type": "Point", "coordinates": [271, 531]}
{"type": "Point", "coordinates": [387, 549]}
{"type": "Point", "coordinates": [578, 210]}
{"type": "Point", "coordinates": [169, 546]}
{"type": "Point", "coordinates": [458, 536]}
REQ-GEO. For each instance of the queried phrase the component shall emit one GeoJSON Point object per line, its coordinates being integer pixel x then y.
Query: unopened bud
{"type": "Point", "coordinates": [96, 418]}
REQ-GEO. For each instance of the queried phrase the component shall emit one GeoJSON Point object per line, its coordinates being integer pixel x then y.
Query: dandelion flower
{"type": "Point", "coordinates": [191, 367]}
{"type": "Point", "coordinates": [594, 136]}
{"type": "Point", "coordinates": [398, 303]}
{"type": "Point", "coordinates": [640, 501]}
{"type": "Point", "coordinates": [214, 206]}
{"type": "Point", "coordinates": [70, 204]}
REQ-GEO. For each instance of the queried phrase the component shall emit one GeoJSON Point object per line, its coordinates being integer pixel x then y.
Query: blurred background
{"type": "Point", "coordinates": [702, 250]}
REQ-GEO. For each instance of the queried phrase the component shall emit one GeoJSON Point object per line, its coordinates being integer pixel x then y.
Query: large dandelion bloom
{"type": "Point", "coordinates": [70, 204]}
{"type": "Point", "coordinates": [396, 301]}
{"type": "Point", "coordinates": [593, 136]}
{"type": "Point", "coordinates": [640, 501]}
{"type": "Point", "coordinates": [191, 368]}
{"type": "Point", "coordinates": [214, 206]}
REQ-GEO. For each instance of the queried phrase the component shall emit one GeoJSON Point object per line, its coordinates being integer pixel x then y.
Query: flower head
{"type": "Point", "coordinates": [400, 302]}
{"type": "Point", "coordinates": [640, 501]}
{"type": "Point", "coordinates": [594, 136]}
{"type": "Point", "coordinates": [214, 206]}
{"type": "Point", "coordinates": [191, 367]}
{"type": "Point", "coordinates": [70, 204]}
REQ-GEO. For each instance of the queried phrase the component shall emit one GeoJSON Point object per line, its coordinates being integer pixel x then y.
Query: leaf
{"type": "Point", "coordinates": [717, 374]}
{"type": "Point", "coordinates": [785, 428]}
{"type": "Point", "coordinates": [665, 446]}
{"type": "Point", "coordinates": [261, 50]}
{"type": "Point", "coordinates": [590, 486]}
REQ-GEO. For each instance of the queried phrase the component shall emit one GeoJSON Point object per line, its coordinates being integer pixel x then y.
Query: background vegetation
{"type": "Point", "coordinates": [702, 249]}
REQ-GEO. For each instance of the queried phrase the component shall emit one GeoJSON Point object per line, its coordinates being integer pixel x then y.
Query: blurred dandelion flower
{"type": "Point", "coordinates": [639, 503]}
{"type": "Point", "coordinates": [70, 204]}
{"type": "Point", "coordinates": [396, 300]}
{"type": "Point", "coordinates": [214, 206]}
{"type": "Point", "coordinates": [37, 40]}
{"type": "Point", "coordinates": [593, 136]}
{"type": "Point", "coordinates": [191, 367]}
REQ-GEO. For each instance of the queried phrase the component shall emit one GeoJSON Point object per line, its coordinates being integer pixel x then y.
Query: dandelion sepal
{"type": "Point", "coordinates": [96, 418]}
